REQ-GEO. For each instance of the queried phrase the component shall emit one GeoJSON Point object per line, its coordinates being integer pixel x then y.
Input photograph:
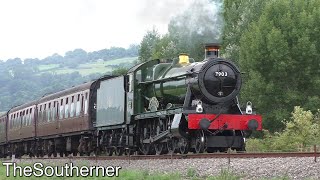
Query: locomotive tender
{"type": "Point", "coordinates": [157, 107]}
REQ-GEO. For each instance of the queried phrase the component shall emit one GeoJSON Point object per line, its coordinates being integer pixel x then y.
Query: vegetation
{"type": "Point", "coordinates": [277, 44]}
{"type": "Point", "coordinates": [85, 69]}
{"type": "Point", "coordinates": [146, 175]}
{"type": "Point", "coordinates": [133, 175]}
{"type": "Point", "coordinates": [300, 134]}
{"type": "Point", "coordinates": [28, 80]}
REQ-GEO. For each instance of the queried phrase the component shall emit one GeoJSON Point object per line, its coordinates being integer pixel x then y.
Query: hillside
{"type": "Point", "coordinates": [85, 69]}
{"type": "Point", "coordinates": [29, 79]}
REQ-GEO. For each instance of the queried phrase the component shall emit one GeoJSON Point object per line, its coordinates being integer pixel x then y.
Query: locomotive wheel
{"type": "Point", "coordinates": [119, 151]}
{"type": "Point", "coordinates": [171, 145]}
{"type": "Point", "coordinates": [199, 147]}
{"type": "Point", "coordinates": [88, 153]}
{"type": "Point", "coordinates": [74, 153]}
{"type": "Point", "coordinates": [66, 154]}
{"type": "Point", "coordinates": [128, 151]}
{"type": "Point", "coordinates": [109, 151]}
{"type": "Point", "coordinates": [145, 149]}
{"type": "Point", "coordinates": [31, 154]}
{"type": "Point", "coordinates": [183, 146]}
{"type": "Point", "coordinates": [159, 148]}
{"type": "Point", "coordinates": [199, 144]}
{"type": "Point", "coordinates": [42, 154]}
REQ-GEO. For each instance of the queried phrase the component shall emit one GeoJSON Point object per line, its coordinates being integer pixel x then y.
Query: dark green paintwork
{"type": "Point", "coordinates": [111, 102]}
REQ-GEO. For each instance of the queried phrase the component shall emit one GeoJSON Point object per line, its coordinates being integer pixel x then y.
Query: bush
{"type": "Point", "coordinates": [300, 133]}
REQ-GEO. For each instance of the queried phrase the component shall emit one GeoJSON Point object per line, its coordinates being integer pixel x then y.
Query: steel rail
{"type": "Point", "coordinates": [189, 156]}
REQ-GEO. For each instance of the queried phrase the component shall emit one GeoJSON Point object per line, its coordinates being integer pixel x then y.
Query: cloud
{"type": "Point", "coordinates": [37, 28]}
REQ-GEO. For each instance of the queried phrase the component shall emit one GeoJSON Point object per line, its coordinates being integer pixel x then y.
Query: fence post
{"type": "Point", "coordinates": [315, 152]}
{"type": "Point", "coordinates": [229, 151]}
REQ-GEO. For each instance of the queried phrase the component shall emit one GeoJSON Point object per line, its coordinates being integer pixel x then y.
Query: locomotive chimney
{"type": "Point", "coordinates": [212, 50]}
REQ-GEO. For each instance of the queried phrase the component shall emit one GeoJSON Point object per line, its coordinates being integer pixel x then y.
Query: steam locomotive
{"type": "Point", "coordinates": [176, 106]}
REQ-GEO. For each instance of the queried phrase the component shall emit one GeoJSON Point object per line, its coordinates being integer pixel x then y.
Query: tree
{"type": "Point", "coordinates": [302, 131]}
{"type": "Point", "coordinates": [75, 57]}
{"type": "Point", "coordinates": [148, 44]}
{"type": "Point", "coordinates": [54, 59]}
{"type": "Point", "coordinates": [238, 14]}
{"type": "Point", "coordinates": [119, 71]}
{"type": "Point", "coordinates": [280, 52]}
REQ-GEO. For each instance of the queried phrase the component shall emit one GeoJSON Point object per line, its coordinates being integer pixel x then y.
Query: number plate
{"type": "Point", "coordinates": [221, 74]}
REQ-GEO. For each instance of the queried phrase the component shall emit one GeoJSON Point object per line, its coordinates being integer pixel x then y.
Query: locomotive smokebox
{"type": "Point", "coordinates": [219, 81]}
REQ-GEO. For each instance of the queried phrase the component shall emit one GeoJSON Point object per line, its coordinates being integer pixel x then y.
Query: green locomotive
{"type": "Point", "coordinates": [181, 106]}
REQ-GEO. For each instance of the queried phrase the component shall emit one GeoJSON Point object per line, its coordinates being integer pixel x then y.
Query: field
{"type": "Point", "coordinates": [101, 67]}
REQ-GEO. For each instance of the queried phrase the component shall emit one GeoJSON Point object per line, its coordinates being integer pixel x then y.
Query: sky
{"type": "Point", "coordinates": [40, 28]}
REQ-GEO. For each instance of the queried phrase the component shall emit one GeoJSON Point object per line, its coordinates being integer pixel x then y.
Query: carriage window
{"type": "Point", "coordinates": [72, 107]}
{"type": "Point", "coordinates": [30, 116]}
{"type": "Point", "coordinates": [82, 103]}
{"type": "Point", "coordinates": [40, 114]}
{"type": "Point", "coordinates": [61, 111]}
{"type": "Point", "coordinates": [78, 108]}
{"type": "Point", "coordinates": [12, 121]}
{"type": "Point", "coordinates": [44, 116]}
{"type": "Point", "coordinates": [19, 120]}
{"type": "Point", "coordinates": [66, 114]}
{"type": "Point", "coordinates": [54, 111]}
{"type": "Point", "coordinates": [26, 117]}
{"type": "Point", "coordinates": [86, 104]}
{"type": "Point", "coordinates": [49, 112]}
{"type": "Point", "coordinates": [16, 121]}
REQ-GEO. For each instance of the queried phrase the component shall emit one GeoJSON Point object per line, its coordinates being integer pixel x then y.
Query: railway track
{"type": "Point", "coordinates": [190, 156]}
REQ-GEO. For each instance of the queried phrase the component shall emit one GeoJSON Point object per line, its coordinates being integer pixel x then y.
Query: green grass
{"type": "Point", "coordinates": [48, 67]}
{"type": "Point", "coordinates": [191, 174]}
{"type": "Point", "coordinates": [101, 67]}
{"type": "Point", "coordinates": [123, 174]}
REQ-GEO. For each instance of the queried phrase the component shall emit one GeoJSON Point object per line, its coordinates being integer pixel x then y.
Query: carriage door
{"type": "Point", "coordinates": [130, 90]}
